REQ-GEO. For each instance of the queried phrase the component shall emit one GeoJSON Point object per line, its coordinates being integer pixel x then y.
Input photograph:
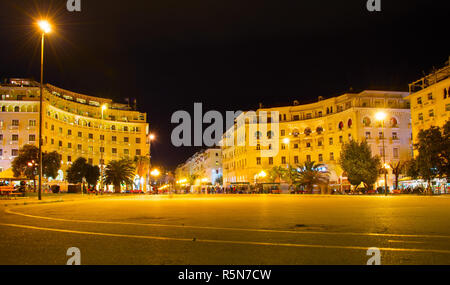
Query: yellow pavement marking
{"type": "Point", "coordinates": [225, 241]}
{"type": "Point", "coordinates": [227, 229]}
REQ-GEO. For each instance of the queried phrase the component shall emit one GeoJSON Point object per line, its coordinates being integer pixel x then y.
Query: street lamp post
{"type": "Point", "coordinates": [45, 29]}
{"type": "Point", "coordinates": [380, 116]}
{"type": "Point", "coordinates": [150, 138]}
{"type": "Point", "coordinates": [102, 163]}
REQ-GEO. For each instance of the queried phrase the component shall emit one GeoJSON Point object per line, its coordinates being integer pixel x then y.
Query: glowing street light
{"type": "Point", "coordinates": [45, 28]}
{"type": "Point", "coordinates": [262, 174]}
{"type": "Point", "coordinates": [286, 140]}
{"type": "Point", "coordinates": [155, 172]}
{"type": "Point", "coordinates": [151, 137]}
{"type": "Point", "coordinates": [381, 116]}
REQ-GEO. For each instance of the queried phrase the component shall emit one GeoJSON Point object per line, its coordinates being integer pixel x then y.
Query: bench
{"type": "Point", "coordinates": [9, 191]}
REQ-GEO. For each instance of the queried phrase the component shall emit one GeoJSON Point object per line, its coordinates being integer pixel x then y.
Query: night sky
{"type": "Point", "coordinates": [229, 55]}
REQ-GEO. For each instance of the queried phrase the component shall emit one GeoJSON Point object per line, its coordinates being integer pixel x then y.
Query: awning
{"type": "Point", "coordinates": [8, 174]}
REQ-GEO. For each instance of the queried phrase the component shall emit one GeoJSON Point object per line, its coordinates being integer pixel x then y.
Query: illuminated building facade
{"type": "Point", "coordinates": [430, 100]}
{"type": "Point", "coordinates": [206, 165]}
{"type": "Point", "coordinates": [74, 125]}
{"type": "Point", "coordinates": [316, 132]}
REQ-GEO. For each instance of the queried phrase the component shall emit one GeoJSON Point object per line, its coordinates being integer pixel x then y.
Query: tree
{"type": "Point", "coordinates": [276, 173]}
{"type": "Point", "coordinates": [311, 174]}
{"type": "Point", "coordinates": [359, 164]}
{"type": "Point", "coordinates": [92, 174]}
{"type": "Point", "coordinates": [412, 170]}
{"type": "Point", "coordinates": [397, 170]}
{"type": "Point", "coordinates": [192, 178]}
{"type": "Point", "coordinates": [433, 155]}
{"type": "Point", "coordinates": [142, 165]}
{"type": "Point", "coordinates": [52, 163]}
{"type": "Point", "coordinates": [219, 180]}
{"type": "Point", "coordinates": [27, 163]}
{"type": "Point", "coordinates": [118, 172]}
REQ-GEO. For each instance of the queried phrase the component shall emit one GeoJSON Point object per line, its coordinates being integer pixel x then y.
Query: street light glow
{"type": "Point", "coordinates": [104, 107]}
{"type": "Point", "coordinates": [155, 172]}
{"type": "Point", "coordinates": [286, 140]}
{"type": "Point", "coordinates": [380, 116]}
{"type": "Point", "coordinates": [151, 137]}
{"type": "Point", "coordinates": [45, 26]}
{"type": "Point", "coordinates": [262, 174]}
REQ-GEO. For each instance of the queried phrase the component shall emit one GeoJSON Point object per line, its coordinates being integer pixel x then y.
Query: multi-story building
{"type": "Point", "coordinates": [316, 132]}
{"type": "Point", "coordinates": [430, 100]}
{"type": "Point", "coordinates": [74, 125]}
{"type": "Point", "coordinates": [206, 165]}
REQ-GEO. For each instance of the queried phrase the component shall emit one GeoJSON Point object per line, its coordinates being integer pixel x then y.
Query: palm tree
{"type": "Point", "coordinates": [118, 172]}
{"type": "Point", "coordinates": [310, 175]}
{"type": "Point", "coordinates": [396, 170]}
{"type": "Point", "coordinates": [142, 164]}
{"type": "Point", "coordinates": [291, 176]}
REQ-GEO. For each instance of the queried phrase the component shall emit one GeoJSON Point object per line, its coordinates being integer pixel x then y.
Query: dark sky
{"type": "Point", "coordinates": [229, 55]}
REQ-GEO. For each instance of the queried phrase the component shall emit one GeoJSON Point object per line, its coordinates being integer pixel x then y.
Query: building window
{"type": "Point", "coordinates": [394, 136]}
{"type": "Point", "coordinates": [295, 145]}
{"type": "Point", "coordinates": [32, 138]}
{"type": "Point", "coordinates": [341, 140]}
{"type": "Point", "coordinates": [283, 146]}
{"type": "Point", "coordinates": [60, 130]}
{"type": "Point", "coordinates": [91, 136]}
{"type": "Point", "coordinates": [270, 160]}
{"type": "Point", "coordinates": [330, 141]}
{"type": "Point", "coordinates": [308, 158]}
{"type": "Point", "coordinates": [79, 147]}
{"type": "Point", "coordinates": [15, 137]}
{"type": "Point", "coordinates": [102, 137]}
{"type": "Point", "coordinates": [296, 159]}
{"type": "Point", "coordinates": [282, 133]}
{"type": "Point", "coordinates": [69, 158]}
{"type": "Point", "coordinates": [430, 96]}
{"type": "Point", "coordinates": [14, 152]}
{"type": "Point", "coordinates": [431, 113]}
{"type": "Point", "coordinates": [331, 156]}
{"type": "Point", "coordinates": [1, 137]}
{"type": "Point", "coordinates": [320, 143]}
{"type": "Point", "coordinates": [80, 134]}
{"type": "Point", "coordinates": [126, 151]}
{"type": "Point", "coordinates": [69, 145]}
{"type": "Point", "coordinates": [258, 161]}
{"type": "Point", "coordinates": [69, 132]}
{"type": "Point", "coordinates": [308, 144]}
{"type": "Point", "coordinates": [340, 126]}
{"type": "Point", "coordinates": [420, 117]}
{"type": "Point", "coordinates": [296, 117]}
{"type": "Point", "coordinates": [258, 147]}
{"type": "Point", "coordinates": [114, 138]}
{"type": "Point", "coordinates": [1, 152]}
{"type": "Point", "coordinates": [395, 152]}
{"type": "Point", "coordinates": [52, 141]}
{"type": "Point", "coordinates": [447, 107]}
{"type": "Point", "coordinates": [52, 128]}
{"type": "Point", "coordinates": [366, 122]}
{"type": "Point", "coordinates": [320, 157]}
{"type": "Point", "coordinates": [367, 135]}
{"type": "Point", "coordinates": [419, 100]}
{"type": "Point", "coordinates": [15, 123]}
{"type": "Point", "coordinates": [32, 123]}
{"type": "Point", "coordinates": [138, 152]}
{"type": "Point", "coordinates": [138, 140]}
{"type": "Point", "coordinates": [102, 149]}
{"type": "Point", "coordinates": [114, 150]}
{"type": "Point", "coordinates": [283, 160]}
{"type": "Point", "coordinates": [125, 139]}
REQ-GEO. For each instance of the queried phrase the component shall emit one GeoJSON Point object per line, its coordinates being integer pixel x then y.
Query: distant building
{"type": "Point", "coordinates": [316, 132]}
{"type": "Point", "coordinates": [206, 165]}
{"type": "Point", "coordinates": [430, 100]}
{"type": "Point", "coordinates": [74, 125]}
